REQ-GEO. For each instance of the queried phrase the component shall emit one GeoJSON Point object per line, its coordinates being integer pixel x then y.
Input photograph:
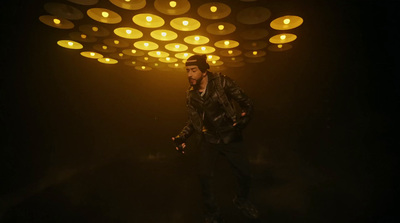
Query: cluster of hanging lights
{"type": "Point", "coordinates": [166, 39]}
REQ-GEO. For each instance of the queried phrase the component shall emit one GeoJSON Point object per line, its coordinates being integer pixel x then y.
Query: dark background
{"type": "Point", "coordinates": [83, 141]}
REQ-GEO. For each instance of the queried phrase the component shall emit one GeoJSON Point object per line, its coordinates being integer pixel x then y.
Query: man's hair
{"type": "Point", "coordinates": [200, 61]}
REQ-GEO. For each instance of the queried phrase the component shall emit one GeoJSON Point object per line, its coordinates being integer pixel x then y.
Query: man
{"type": "Point", "coordinates": [212, 114]}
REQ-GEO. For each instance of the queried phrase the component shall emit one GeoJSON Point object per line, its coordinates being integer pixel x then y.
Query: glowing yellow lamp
{"type": "Point", "coordinates": [176, 47]}
{"type": "Point", "coordinates": [172, 4]}
{"type": "Point", "coordinates": [196, 40]}
{"type": "Point", "coordinates": [286, 22]}
{"type": "Point", "coordinates": [107, 60]}
{"type": "Point", "coordinates": [146, 45]}
{"type": "Point", "coordinates": [158, 54]}
{"type": "Point", "coordinates": [56, 22]}
{"type": "Point", "coordinates": [168, 60]}
{"type": "Point", "coordinates": [91, 54]}
{"type": "Point", "coordinates": [226, 44]}
{"type": "Point", "coordinates": [128, 33]}
{"type": "Point", "coordinates": [143, 68]}
{"type": "Point", "coordinates": [148, 20]}
{"type": "Point", "coordinates": [69, 44]}
{"type": "Point", "coordinates": [185, 24]}
{"type": "Point", "coordinates": [283, 38]}
{"type": "Point", "coordinates": [204, 49]}
{"type": "Point", "coordinates": [183, 56]}
{"type": "Point", "coordinates": [164, 35]}
{"type": "Point", "coordinates": [104, 15]}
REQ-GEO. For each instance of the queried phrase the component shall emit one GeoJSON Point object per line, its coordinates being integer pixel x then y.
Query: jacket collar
{"type": "Point", "coordinates": [211, 77]}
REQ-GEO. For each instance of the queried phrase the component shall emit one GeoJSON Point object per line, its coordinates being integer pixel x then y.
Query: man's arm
{"type": "Point", "coordinates": [187, 131]}
{"type": "Point", "coordinates": [236, 93]}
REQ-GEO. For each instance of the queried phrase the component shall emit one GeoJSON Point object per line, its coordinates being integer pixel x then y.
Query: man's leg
{"type": "Point", "coordinates": [207, 158]}
{"type": "Point", "coordinates": [237, 157]}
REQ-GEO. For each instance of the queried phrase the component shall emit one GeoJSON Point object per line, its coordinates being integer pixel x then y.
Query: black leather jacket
{"type": "Point", "coordinates": [214, 114]}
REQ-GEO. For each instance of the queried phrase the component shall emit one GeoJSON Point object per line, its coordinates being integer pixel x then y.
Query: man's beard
{"type": "Point", "coordinates": [197, 81]}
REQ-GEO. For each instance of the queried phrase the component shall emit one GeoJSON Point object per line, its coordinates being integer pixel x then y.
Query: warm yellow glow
{"type": "Point", "coordinates": [104, 47]}
{"type": "Point", "coordinates": [255, 53]}
{"type": "Point", "coordinates": [83, 36]}
{"type": "Point", "coordinates": [209, 57]}
{"type": "Point", "coordinates": [91, 55]}
{"type": "Point", "coordinates": [214, 62]}
{"type": "Point", "coordinates": [280, 46]}
{"type": "Point", "coordinates": [203, 48]}
{"type": "Point", "coordinates": [172, 4]}
{"type": "Point", "coordinates": [116, 42]}
{"type": "Point", "coordinates": [213, 8]}
{"type": "Point", "coordinates": [95, 28]}
{"type": "Point", "coordinates": [56, 21]}
{"type": "Point", "coordinates": [185, 22]}
{"type": "Point", "coordinates": [230, 51]}
{"type": "Point", "coordinates": [105, 14]}
{"type": "Point", "coordinates": [70, 43]}
{"type": "Point", "coordinates": [197, 38]}
{"type": "Point", "coordinates": [163, 34]}
{"type": "Point", "coordinates": [107, 60]}
{"type": "Point", "coordinates": [127, 0]}
{"type": "Point", "coordinates": [226, 44]}
{"type": "Point", "coordinates": [146, 58]}
{"type": "Point", "coordinates": [168, 58]}
{"type": "Point", "coordinates": [183, 56]}
{"type": "Point", "coordinates": [133, 51]}
{"type": "Point", "coordinates": [121, 54]}
{"type": "Point", "coordinates": [158, 53]}
{"type": "Point", "coordinates": [221, 27]}
{"type": "Point", "coordinates": [177, 46]}
{"type": "Point", "coordinates": [143, 67]}
{"type": "Point", "coordinates": [128, 33]}
{"type": "Point", "coordinates": [146, 44]}
{"type": "Point", "coordinates": [176, 65]}
{"type": "Point", "coordinates": [286, 21]}
{"type": "Point", "coordinates": [282, 38]}
{"type": "Point", "coordinates": [148, 20]}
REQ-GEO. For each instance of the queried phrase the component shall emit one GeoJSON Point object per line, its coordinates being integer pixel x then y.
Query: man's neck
{"type": "Point", "coordinates": [203, 84]}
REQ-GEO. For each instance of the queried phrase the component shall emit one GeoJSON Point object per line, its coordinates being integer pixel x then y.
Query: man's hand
{"type": "Point", "coordinates": [180, 146]}
{"type": "Point", "coordinates": [239, 123]}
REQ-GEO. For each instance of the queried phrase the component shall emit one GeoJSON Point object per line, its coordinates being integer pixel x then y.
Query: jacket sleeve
{"type": "Point", "coordinates": [188, 129]}
{"type": "Point", "coordinates": [237, 94]}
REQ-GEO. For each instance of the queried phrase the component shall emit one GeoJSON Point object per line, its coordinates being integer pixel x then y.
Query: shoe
{"type": "Point", "coordinates": [247, 208]}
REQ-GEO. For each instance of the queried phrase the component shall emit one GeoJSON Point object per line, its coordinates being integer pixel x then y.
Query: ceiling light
{"type": "Point", "coordinates": [286, 21]}
{"type": "Point", "coordinates": [213, 8]}
{"type": "Point", "coordinates": [56, 21]}
{"type": "Point", "coordinates": [172, 4]}
{"type": "Point", "coordinates": [105, 15]}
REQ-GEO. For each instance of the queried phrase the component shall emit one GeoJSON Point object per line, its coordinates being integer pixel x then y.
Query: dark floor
{"type": "Point", "coordinates": [162, 187]}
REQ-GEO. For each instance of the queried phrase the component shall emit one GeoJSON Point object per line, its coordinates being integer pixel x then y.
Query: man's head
{"type": "Point", "coordinates": [196, 68]}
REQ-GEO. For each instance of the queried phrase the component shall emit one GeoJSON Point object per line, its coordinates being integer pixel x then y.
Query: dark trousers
{"type": "Point", "coordinates": [236, 155]}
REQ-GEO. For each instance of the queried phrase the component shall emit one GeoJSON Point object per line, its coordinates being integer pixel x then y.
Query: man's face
{"type": "Point", "coordinates": [195, 76]}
